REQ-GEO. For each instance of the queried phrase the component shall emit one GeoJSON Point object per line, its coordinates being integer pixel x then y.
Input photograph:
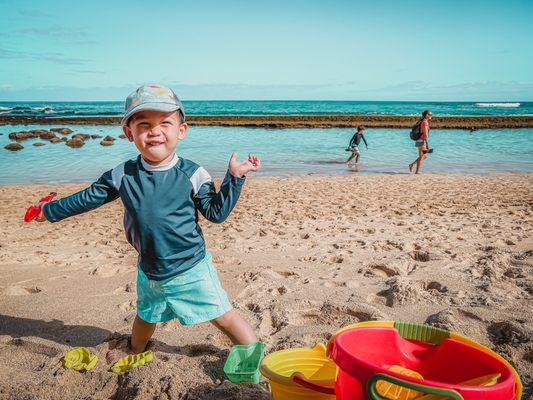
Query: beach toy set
{"type": "Point", "coordinates": [386, 360]}
{"type": "Point", "coordinates": [81, 359]}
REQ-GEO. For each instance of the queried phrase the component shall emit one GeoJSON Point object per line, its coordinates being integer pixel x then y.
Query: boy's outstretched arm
{"type": "Point", "coordinates": [99, 193]}
{"type": "Point", "coordinates": [214, 206]}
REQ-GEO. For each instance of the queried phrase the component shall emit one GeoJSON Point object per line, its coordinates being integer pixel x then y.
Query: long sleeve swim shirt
{"type": "Point", "coordinates": [356, 139]}
{"type": "Point", "coordinates": [161, 206]}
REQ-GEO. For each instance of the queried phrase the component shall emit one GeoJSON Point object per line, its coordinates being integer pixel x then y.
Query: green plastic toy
{"type": "Point", "coordinates": [131, 361]}
{"type": "Point", "coordinates": [243, 363]}
{"type": "Point", "coordinates": [80, 359]}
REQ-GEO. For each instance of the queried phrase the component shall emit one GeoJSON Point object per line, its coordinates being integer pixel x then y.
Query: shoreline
{"type": "Point", "coordinates": [305, 177]}
{"type": "Point", "coordinates": [301, 121]}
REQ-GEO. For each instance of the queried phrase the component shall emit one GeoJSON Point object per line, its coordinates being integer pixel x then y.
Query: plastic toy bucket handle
{"type": "Point", "coordinates": [374, 395]}
{"type": "Point", "coordinates": [301, 380]}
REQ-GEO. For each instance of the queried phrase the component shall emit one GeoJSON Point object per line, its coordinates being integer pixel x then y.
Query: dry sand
{"type": "Point", "coordinates": [299, 257]}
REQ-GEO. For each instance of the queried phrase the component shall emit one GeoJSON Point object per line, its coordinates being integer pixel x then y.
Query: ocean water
{"type": "Point", "coordinates": [284, 152]}
{"type": "Point", "coordinates": [102, 108]}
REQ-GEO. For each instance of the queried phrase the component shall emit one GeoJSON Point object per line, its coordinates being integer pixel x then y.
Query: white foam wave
{"type": "Point", "coordinates": [511, 105]}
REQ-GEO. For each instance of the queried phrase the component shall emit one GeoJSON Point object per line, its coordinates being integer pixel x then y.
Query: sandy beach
{"type": "Point", "coordinates": [300, 257]}
{"type": "Point", "coordinates": [302, 121]}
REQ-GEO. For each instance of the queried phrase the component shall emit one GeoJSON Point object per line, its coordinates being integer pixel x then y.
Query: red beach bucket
{"type": "Point", "coordinates": [444, 365]}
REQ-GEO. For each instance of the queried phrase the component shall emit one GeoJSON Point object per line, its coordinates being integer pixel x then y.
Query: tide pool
{"type": "Point", "coordinates": [284, 152]}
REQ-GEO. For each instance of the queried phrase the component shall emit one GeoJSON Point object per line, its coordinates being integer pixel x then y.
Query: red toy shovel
{"type": "Point", "coordinates": [33, 211]}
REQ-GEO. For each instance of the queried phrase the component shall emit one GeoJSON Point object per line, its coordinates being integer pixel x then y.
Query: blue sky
{"type": "Point", "coordinates": [338, 50]}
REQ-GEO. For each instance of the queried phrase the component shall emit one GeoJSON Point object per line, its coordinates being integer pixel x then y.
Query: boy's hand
{"type": "Point", "coordinates": [41, 217]}
{"type": "Point", "coordinates": [239, 169]}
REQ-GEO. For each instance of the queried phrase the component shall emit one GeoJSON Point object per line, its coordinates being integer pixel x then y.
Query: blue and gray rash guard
{"type": "Point", "coordinates": [161, 210]}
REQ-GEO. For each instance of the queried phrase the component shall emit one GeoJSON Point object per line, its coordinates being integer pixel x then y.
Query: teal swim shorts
{"type": "Point", "coordinates": [193, 296]}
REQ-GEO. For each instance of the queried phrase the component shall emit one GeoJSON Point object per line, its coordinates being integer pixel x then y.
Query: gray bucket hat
{"type": "Point", "coordinates": [151, 97]}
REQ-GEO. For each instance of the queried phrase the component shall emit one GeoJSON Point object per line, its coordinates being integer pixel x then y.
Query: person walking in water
{"type": "Point", "coordinates": [354, 145]}
{"type": "Point", "coordinates": [421, 140]}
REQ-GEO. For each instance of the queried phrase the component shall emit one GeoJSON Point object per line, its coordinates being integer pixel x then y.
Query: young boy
{"type": "Point", "coordinates": [354, 145]}
{"type": "Point", "coordinates": [162, 195]}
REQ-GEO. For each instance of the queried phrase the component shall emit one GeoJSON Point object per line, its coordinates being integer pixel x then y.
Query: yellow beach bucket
{"type": "Point", "coordinates": [300, 374]}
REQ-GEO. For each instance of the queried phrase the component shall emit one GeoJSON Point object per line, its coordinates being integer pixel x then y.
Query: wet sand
{"type": "Point", "coordinates": [301, 121]}
{"type": "Point", "coordinates": [299, 257]}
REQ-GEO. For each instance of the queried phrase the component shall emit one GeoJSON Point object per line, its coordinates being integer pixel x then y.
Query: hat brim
{"type": "Point", "coordinates": [163, 107]}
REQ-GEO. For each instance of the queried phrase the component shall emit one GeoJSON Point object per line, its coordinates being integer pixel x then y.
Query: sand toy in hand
{"type": "Point", "coordinates": [33, 211]}
{"type": "Point", "coordinates": [80, 359]}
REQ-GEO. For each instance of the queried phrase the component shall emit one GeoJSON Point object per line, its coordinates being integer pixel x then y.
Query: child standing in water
{"type": "Point", "coordinates": [354, 145]}
{"type": "Point", "coordinates": [162, 196]}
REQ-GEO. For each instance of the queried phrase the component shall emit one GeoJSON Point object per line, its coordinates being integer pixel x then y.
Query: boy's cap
{"type": "Point", "coordinates": [151, 97]}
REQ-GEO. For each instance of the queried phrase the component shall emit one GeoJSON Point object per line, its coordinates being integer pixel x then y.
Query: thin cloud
{"type": "Point", "coordinates": [55, 31]}
{"type": "Point", "coordinates": [88, 71]}
{"type": "Point", "coordinates": [34, 14]}
{"type": "Point", "coordinates": [56, 58]}
{"type": "Point", "coordinates": [77, 36]}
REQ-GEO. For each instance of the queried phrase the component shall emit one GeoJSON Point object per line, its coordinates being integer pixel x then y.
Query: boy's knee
{"type": "Point", "coordinates": [225, 320]}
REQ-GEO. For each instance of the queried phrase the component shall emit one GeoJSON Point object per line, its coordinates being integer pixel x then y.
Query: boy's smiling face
{"type": "Point", "coordinates": [156, 134]}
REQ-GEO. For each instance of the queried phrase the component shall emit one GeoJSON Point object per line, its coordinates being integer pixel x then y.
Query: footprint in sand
{"type": "Point", "coordinates": [381, 270]}
{"type": "Point", "coordinates": [127, 288]}
{"type": "Point", "coordinates": [422, 256]}
{"type": "Point", "coordinates": [17, 290]}
{"type": "Point", "coordinates": [109, 271]}
{"type": "Point", "coordinates": [127, 306]}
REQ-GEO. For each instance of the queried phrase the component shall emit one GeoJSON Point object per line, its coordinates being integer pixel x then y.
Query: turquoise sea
{"type": "Point", "coordinates": [278, 107]}
{"type": "Point", "coordinates": [284, 152]}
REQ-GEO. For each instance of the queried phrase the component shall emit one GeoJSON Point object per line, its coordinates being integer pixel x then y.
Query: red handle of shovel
{"type": "Point", "coordinates": [33, 211]}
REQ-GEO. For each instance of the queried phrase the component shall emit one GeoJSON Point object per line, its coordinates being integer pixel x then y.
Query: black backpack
{"type": "Point", "coordinates": [415, 131]}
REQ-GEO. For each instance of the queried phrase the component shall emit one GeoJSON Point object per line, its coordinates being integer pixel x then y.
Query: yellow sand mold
{"type": "Point", "coordinates": [132, 361]}
{"type": "Point", "coordinates": [80, 359]}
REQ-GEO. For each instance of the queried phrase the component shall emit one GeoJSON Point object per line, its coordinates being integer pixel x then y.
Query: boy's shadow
{"type": "Point", "coordinates": [91, 336]}
{"type": "Point", "coordinates": [54, 330]}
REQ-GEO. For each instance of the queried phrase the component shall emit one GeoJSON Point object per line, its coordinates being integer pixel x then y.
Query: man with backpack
{"type": "Point", "coordinates": [420, 134]}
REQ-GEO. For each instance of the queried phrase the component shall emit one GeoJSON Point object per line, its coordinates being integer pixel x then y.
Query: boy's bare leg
{"type": "Point", "coordinates": [235, 327]}
{"type": "Point", "coordinates": [141, 333]}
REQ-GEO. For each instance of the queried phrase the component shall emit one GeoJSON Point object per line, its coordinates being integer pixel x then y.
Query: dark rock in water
{"type": "Point", "coordinates": [123, 136]}
{"type": "Point", "coordinates": [82, 136]}
{"type": "Point", "coordinates": [39, 144]}
{"type": "Point", "coordinates": [39, 131]}
{"type": "Point", "coordinates": [64, 139]}
{"type": "Point", "coordinates": [96, 136]}
{"type": "Point", "coordinates": [63, 131]}
{"type": "Point", "coordinates": [76, 142]}
{"type": "Point", "coordinates": [14, 147]}
{"type": "Point", "coordinates": [110, 138]}
{"type": "Point", "coordinates": [46, 135]}
{"type": "Point", "coordinates": [23, 135]}
{"type": "Point", "coordinates": [56, 140]}
{"type": "Point", "coordinates": [107, 142]}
